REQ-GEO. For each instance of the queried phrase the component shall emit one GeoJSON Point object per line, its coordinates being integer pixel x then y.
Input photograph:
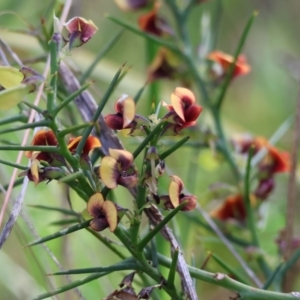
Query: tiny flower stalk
{"type": "Point", "coordinates": [80, 31]}
{"type": "Point", "coordinates": [118, 169]}
{"type": "Point", "coordinates": [105, 213]}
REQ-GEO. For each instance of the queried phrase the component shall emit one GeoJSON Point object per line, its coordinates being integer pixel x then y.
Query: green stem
{"type": "Point", "coordinates": [242, 41]}
{"type": "Point", "coordinates": [142, 244]}
{"type": "Point", "coordinates": [223, 145]}
{"type": "Point", "coordinates": [250, 216]}
{"type": "Point", "coordinates": [245, 292]}
{"type": "Point", "coordinates": [148, 138]}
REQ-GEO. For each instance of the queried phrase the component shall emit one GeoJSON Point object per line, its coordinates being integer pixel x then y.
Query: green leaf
{"type": "Point", "coordinates": [70, 99]}
{"type": "Point", "coordinates": [57, 209]}
{"type": "Point", "coordinates": [127, 264]}
{"type": "Point", "coordinates": [51, 149]}
{"type": "Point", "coordinates": [166, 153]}
{"type": "Point", "coordinates": [60, 233]}
{"type": "Point", "coordinates": [142, 244]}
{"type": "Point", "coordinates": [43, 123]}
{"type": "Point", "coordinates": [148, 36]}
{"type": "Point", "coordinates": [148, 138]}
{"type": "Point", "coordinates": [72, 176]}
{"type": "Point", "coordinates": [272, 277]}
{"type": "Point", "coordinates": [230, 270]}
{"type": "Point", "coordinates": [100, 55]}
{"type": "Point", "coordinates": [139, 94]}
{"type": "Point", "coordinates": [64, 222]}
{"type": "Point", "coordinates": [17, 118]}
{"type": "Point", "coordinates": [10, 77]}
{"type": "Point", "coordinates": [74, 129]}
{"type": "Point", "coordinates": [70, 286]}
{"type": "Point", "coordinates": [100, 107]}
{"type": "Point", "coordinates": [173, 267]}
{"type": "Point", "coordinates": [11, 97]}
{"type": "Point", "coordinates": [240, 46]}
{"type": "Point", "coordinates": [34, 107]}
{"type": "Point", "coordinates": [7, 163]}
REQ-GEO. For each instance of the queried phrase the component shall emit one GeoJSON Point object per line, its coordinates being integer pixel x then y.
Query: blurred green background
{"type": "Point", "coordinates": [257, 103]}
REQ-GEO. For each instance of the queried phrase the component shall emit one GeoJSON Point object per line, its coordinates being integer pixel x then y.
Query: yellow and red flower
{"type": "Point", "coordinates": [162, 66]}
{"type": "Point", "coordinates": [225, 60]}
{"type": "Point", "coordinates": [80, 31]}
{"type": "Point", "coordinates": [106, 213]}
{"type": "Point", "coordinates": [183, 112]}
{"type": "Point", "coordinates": [275, 161]}
{"type": "Point", "coordinates": [45, 137]}
{"type": "Point", "coordinates": [153, 24]}
{"type": "Point", "coordinates": [233, 208]}
{"type": "Point", "coordinates": [91, 143]}
{"type": "Point", "coordinates": [117, 169]}
{"type": "Point", "coordinates": [125, 117]}
{"type": "Point", "coordinates": [176, 196]}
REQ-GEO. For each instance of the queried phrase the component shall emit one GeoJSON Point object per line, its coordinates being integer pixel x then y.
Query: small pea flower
{"type": "Point", "coordinates": [264, 188]}
{"type": "Point", "coordinates": [225, 60]}
{"type": "Point", "coordinates": [118, 169]}
{"type": "Point", "coordinates": [183, 112]}
{"type": "Point", "coordinates": [106, 213]}
{"type": "Point", "coordinates": [38, 174]}
{"type": "Point", "coordinates": [176, 196]}
{"type": "Point", "coordinates": [91, 143]}
{"type": "Point", "coordinates": [125, 117]}
{"type": "Point", "coordinates": [275, 161]}
{"type": "Point", "coordinates": [163, 66]}
{"type": "Point", "coordinates": [233, 208]}
{"type": "Point", "coordinates": [80, 31]}
{"type": "Point", "coordinates": [45, 137]}
{"type": "Point", "coordinates": [153, 24]}
{"type": "Point", "coordinates": [132, 5]}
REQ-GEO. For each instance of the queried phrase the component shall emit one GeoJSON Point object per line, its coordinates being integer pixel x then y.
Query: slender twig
{"type": "Point", "coordinates": [226, 242]}
{"type": "Point", "coordinates": [292, 189]}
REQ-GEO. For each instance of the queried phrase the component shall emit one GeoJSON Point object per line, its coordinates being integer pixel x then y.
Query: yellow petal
{"type": "Point", "coordinates": [11, 97]}
{"type": "Point", "coordinates": [174, 193]}
{"type": "Point", "coordinates": [178, 106]}
{"type": "Point", "coordinates": [34, 168]}
{"type": "Point", "coordinates": [94, 204]}
{"type": "Point", "coordinates": [10, 77]}
{"type": "Point", "coordinates": [128, 111]}
{"type": "Point", "coordinates": [111, 214]}
{"type": "Point", "coordinates": [108, 172]}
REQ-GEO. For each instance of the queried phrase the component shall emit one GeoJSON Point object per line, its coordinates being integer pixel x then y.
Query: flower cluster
{"type": "Point", "coordinates": [183, 112]}
{"type": "Point", "coordinates": [274, 161]}
{"type": "Point", "coordinates": [52, 161]}
{"type": "Point", "coordinates": [104, 212]}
